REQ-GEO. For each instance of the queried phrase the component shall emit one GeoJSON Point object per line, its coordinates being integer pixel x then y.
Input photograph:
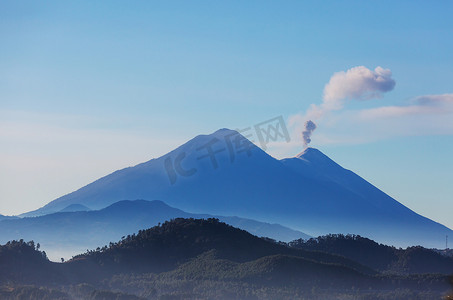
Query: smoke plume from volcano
{"type": "Point", "coordinates": [310, 126]}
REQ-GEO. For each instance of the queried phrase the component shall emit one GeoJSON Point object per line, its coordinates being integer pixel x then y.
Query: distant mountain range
{"type": "Point", "coordinates": [68, 232]}
{"type": "Point", "coordinates": [75, 207]}
{"type": "Point", "coordinates": [225, 174]}
{"type": "Point", "coordinates": [2, 217]}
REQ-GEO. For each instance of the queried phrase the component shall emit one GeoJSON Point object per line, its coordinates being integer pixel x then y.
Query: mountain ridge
{"type": "Point", "coordinates": [64, 234]}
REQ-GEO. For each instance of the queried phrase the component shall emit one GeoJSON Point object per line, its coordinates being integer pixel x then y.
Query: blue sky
{"type": "Point", "coordinates": [90, 87]}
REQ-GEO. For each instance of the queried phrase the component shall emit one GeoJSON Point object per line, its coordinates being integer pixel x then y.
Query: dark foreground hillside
{"type": "Point", "coordinates": [383, 258]}
{"type": "Point", "coordinates": [202, 259]}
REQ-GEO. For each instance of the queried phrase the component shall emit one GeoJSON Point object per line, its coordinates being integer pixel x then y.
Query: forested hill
{"type": "Point", "coordinates": [383, 258]}
{"type": "Point", "coordinates": [22, 262]}
{"type": "Point", "coordinates": [163, 247]}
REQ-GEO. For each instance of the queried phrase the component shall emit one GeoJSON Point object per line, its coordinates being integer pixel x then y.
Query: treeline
{"type": "Point", "coordinates": [383, 258]}
{"type": "Point", "coordinates": [11, 248]}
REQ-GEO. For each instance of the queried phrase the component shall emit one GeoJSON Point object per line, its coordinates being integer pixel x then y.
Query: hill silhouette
{"type": "Point", "coordinates": [163, 247]}
{"type": "Point", "coordinates": [22, 262]}
{"type": "Point", "coordinates": [413, 260]}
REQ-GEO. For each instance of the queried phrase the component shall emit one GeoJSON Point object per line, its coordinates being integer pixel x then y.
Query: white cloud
{"type": "Point", "coordinates": [422, 106]}
{"type": "Point", "coordinates": [392, 111]}
{"type": "Point", "coordinates": [356, 83]}
{"type": "Point", "coordinates": [434, 100]}
{"type": "Point", "coordinates": [427, 115]}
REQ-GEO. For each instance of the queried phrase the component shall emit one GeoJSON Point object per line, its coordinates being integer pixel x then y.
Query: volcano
{"type": "Point", "coordinates": [223, 173]}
